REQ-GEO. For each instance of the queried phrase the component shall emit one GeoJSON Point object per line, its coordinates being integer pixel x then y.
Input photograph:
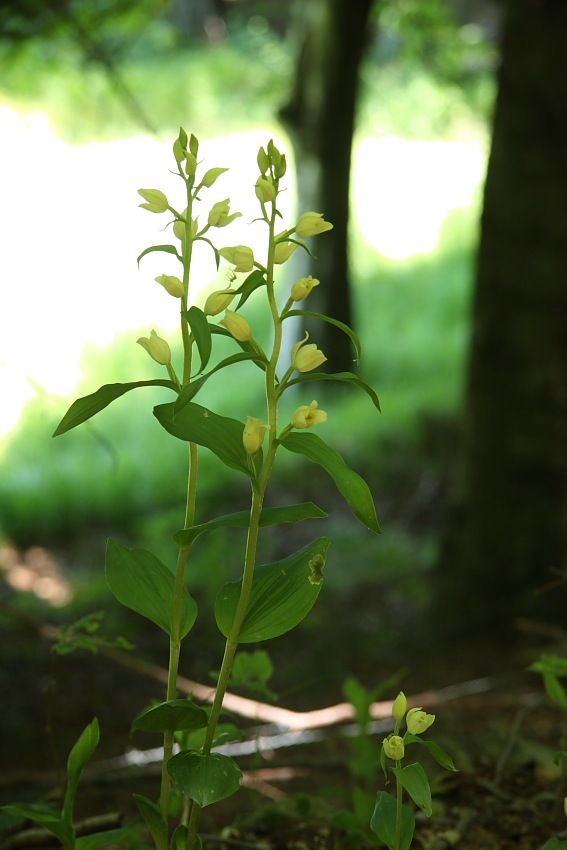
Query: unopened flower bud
{"type": "Point", "coordinates": [190, 164]}
{"type": "Point", "coordinates": [302, 287]}
{"type": "Point", "coordinates": [211, 175]}
{"type": "Point", "coordinates": [157, 348]}
{"type": "Point", "coordinates": [418, 721]}
{"type": "Point", "coordinates": [283, 251]}
{"type": "Point", "coordinates": [265, 190]}
{"type": "Point", "coordinates": [237, 326]}
{"type": "Point", "coordinates": [172, 284]}
{"type": "Point", "coordinates": [308, 415]}
{"type": "Point", "coordinates": [179, 229]}
{"type": "Point", "coordinates": [218, 301]}
{"type": "Point", "coordinates": [241, 256]}
{"type": "Point", "coordinates": [394, 747]}
{"type": "Point", "coordinates": [253, 435]}
{"type": "Point", "coordinates": [263, 160]}
{"type": "Point", "coordinates": [305, 358]}
{"type": "Point", "coordinates": [312, 223]}
{"type": "Point", "coordinates": [399, 707]}
{"type": "Point", "coordinates": [156, 201]}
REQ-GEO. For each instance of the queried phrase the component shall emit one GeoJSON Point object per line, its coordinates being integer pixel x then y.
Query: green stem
{"type": "Point", "coordinates": [190, 508]}
{"type": "Point", "coordinates": [258, 492]}
{"type": "Point", "coordinates": [399, 812]}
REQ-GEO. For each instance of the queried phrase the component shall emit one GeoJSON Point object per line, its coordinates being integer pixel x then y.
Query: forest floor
{"type": "Point", "coordinates": [491, 715]}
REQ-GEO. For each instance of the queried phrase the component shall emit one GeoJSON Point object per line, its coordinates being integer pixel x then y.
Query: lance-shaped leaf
{"type": "Point", "coordinates": [201, 331]}
{"type": "Point", "coordinates": [345, 377]}
{"type": "Point", "coordinates": [141, 582]}
{"type": "Point", "coordinates": [241, 519]}
{"type": "Point", "coordinates": [86, 407]}
{"type": "Point", "coordinates": [439, 754]}
{"type": "Point", "coordinates": [252, 282]}
{"type": "Point", "coordinates": [384, 820]}
{"type": "Point", "coordinates": [166, 249]}
{"type": "Point", "coordinates": [196, 424]}
{"type": "Point", "coordinates": [349, 483]}
{"type": "Point", "coordinates": [103, 840]}
{"type": "Point", "coordinates": [153, 819]}
{"type": "Point", "coordinates": [205, 779]}
{"type": "Point", "coordinates": [190, 390]}
{"type": "Point", "coordinates": [282, 594]}
{"type": "Point", "coordinates": [416, 783]}
{"type": "Point", "coordinates": [80, 754]}
{"type": "Point", "coordinates": [48, 819]}
{"type": "Point", "coordinates": [345, 328]}
{"type": "Point", "coordinates": [175, 715]}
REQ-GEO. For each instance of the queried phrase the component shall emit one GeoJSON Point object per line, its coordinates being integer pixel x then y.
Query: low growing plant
{"type": "Point", "coordinates": [392, 821]}
{"type": "Point", "coordinates": [267, 600]}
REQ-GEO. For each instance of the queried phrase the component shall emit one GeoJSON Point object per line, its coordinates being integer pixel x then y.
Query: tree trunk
{"type": "Point", "coordinates": [512, 539]}
{"type": "Point", "coordinates": [320, 119]}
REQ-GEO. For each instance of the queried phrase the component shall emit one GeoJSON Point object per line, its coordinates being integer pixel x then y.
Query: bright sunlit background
{"type": "Point", "coordinates": [71, 231]}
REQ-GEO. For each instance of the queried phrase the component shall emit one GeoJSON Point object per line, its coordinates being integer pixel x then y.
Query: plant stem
{"type": "Point", "coordinates": [190, 509]}
{"type": "Point", "coordinates": [258, 492]}
{"type": "Point", "coordinates": [399, 812]}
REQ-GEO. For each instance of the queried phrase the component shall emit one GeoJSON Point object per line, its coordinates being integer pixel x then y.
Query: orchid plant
{"type": "Point", "coordinates": [270, 599]}
{"type": "Point", "coordinates": [393, 822]}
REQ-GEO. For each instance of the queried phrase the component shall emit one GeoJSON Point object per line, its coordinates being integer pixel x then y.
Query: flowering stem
{"type": "Point", "coordinates": [258, 492]}
{"type": "Point", "coordinates": [399, 812]}
{"type": "Point", "coordinates": [190, 508]}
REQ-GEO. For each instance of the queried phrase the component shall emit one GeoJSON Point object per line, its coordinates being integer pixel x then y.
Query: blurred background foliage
{"type": "Point", "coordinates": [110, 70]}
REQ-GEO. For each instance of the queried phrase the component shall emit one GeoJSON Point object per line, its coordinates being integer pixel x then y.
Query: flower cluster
{"type": "Point", "coordinates": [417, 721]}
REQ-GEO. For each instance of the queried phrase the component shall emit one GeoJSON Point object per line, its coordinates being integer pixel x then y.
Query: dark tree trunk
{"type": "Point", "coordinates": [320, 119]}
{"type": "Point", "coordinates": [512, 538]}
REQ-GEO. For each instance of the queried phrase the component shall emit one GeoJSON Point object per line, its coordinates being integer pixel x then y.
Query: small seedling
{"type": "Point", "coordinates": [392, 821]}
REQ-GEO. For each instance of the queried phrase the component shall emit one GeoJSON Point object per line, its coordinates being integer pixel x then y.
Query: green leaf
{"type": "Point", "coordinates": [252, 282]}
{"type": "Point", "coordinates": [190, 390]}
{"type": "Point", "coordinates": [80, 754]}
{"type": "Point", "coordinates": [201, 331]}
{"type": "Point", "coordinates": [151, 813]}
{"type": "Point", "coordinates": [555, 844]}
{"type": "Point", "coordinates": [555, 690]}
{"type": "Point", "coordinates": [345, 377]}
{"type": "Point", "coordinates": [102, 840]}
{"type": "Point", "coordinates": [383, 822]}
{"type": "Point", "coordinates": [141, 582]}
{"type": "Point", "coordinates": [241, 519]}
{"type": "Point", "coordinates": [175, 715]}
{"type": "Point", "coordinates": [196, 424]}
{"type": "Point", "coordinates": [167, 249]}
{"type": "Point", "coordinates": [416, 783]}
{"type": "Point", "coordinates": [554, 664]}
{"type": "Point", "coordinates": [179, 839]}
{"type": "Point", "coordinates": [253, 670]}
{"type": "Point", "coordinates": [440, 756]}
{"type": "Point", "coordinates": [349, 483]}
{"type": "Point", "coordinates": [48, 819]}
{"type": "Point", "coordinates": [86, 407]}
{"type": "Point", "coordinates": [282, 595]}
{"type": "Point", "coordinates": [345, 328]}
{"type": "Point", "coordinates": [204, 779]}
